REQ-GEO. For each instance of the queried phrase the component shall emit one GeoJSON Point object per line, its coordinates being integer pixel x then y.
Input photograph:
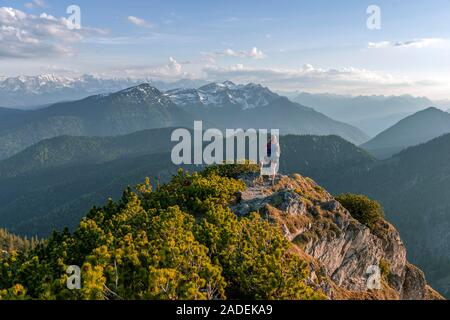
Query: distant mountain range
{"type": "Point", "coordinates": [27, 92]}
{"type": "Point", "coordinates": [227, 105]}
{"type": "Point", "coordinates": [130, 110]}
{"type": "Point", "coordinates": [145, 107]}
{"type": "Point", "coordinates": [372, 114]}
{"type": "Point", "coordinates": [413, 130]}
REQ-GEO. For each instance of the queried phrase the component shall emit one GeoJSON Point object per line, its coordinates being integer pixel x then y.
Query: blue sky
{"type": "Point", "coordinates": [316, 46]}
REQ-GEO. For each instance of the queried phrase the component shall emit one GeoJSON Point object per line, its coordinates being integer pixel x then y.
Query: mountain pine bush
{"type": "Point", "coordinates": [179, 241]}
{"type": "Point", "coordinates": [363, 209]}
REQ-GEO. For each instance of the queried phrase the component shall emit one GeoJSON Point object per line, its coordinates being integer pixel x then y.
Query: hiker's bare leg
{"type": "Point", "coordinates": [274, 170]}
{"type": "Point", "coordinates": [261, 176]}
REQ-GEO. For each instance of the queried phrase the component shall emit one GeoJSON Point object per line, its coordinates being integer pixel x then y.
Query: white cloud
{"type": "Point", "coordinates": [254, 53]}
{"type": "Point", "coordinates": [35, 4]}
{"type": "Point", "coordinates": [139, 22]}
{"type": "Point", "coordinates": [345, 80]}
{"type": "Point", "coordinates": [379, 45]}
{"type": "Point", "coordinates": [416, 43]}
{"type": "Point", "coordinates": [173, 66]}
{"type": "Point", "coordinates": [142, 39]}
{"type": "Point", "coordinates": [172, 70]}
{"type": "Point", "coordinates": [29, 36]}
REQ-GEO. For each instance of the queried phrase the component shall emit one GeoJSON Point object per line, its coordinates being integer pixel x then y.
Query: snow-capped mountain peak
{"type": "Point", "coordinates": [229, 84]}
{"type": "Point", "coordinates": [35, 84]}
{"type": "Point", "coordinates": [44, 89]}
{"type": "Point", "coordinates": [222, 94]}
{"type": "Point", "coordinates": [143, 93]}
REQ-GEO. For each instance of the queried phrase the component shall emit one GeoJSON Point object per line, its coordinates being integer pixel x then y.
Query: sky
{"type": "Point", "coordinates": [314, 46]}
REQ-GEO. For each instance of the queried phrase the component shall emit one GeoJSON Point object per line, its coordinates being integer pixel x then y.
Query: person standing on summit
{"type": "Point", "coordinates": [273, 158]}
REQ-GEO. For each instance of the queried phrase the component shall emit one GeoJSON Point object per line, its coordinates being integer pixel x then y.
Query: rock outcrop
{"type": "Point", "coordinates": [347, 259]}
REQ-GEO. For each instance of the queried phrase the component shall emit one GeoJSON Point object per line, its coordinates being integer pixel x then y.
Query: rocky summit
{"type": "Point", "coordinates": [339, 249]}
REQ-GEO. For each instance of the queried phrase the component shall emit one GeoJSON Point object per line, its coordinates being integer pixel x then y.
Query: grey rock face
{"type": "Point", "coordinates": [414, 285]}
{"type": "Point", "coordinates": [348, 257]}
{"type": "Point", "coordinates": [323, 229]}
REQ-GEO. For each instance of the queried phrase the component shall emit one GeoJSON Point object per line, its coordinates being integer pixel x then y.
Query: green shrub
{"type": "Point", "coordinates": [363, 209]}
{"type": "Point", "coordinates": [319, 189]}
{"type": "Point", "coordinates": [232, 170]}
{"type": "Point", "coordinates": [385, 268]}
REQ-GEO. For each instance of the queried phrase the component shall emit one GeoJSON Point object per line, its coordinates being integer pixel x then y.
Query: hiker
{"type": "Point", "coordinates": [273, 157]}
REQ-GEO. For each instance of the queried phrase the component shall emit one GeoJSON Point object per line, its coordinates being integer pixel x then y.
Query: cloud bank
{"type": "Point", "coordinates": [24, 35]}
{"type": "Point", "coordinates": [345, 80]}
{"type": "Point", "coordinates": [254, 53]}
{"type": "Point", "coordinates": [416, 43]}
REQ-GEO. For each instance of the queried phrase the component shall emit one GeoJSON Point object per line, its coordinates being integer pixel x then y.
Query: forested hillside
{"type": "Point", "coordinates": [418, 128]}
{"type": "Point", "coordinates": [86, 171]}
{"type": "Point", "coordinates": [65, 151]}
{"type": "Point", "coordinates": [10, 242]}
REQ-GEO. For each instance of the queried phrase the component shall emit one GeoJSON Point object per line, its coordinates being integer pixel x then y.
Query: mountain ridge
{"type": "Point", "coordinates": [227, 105]}
{"type": "Point", "coordinates": [219, 94]}
{"type": "Point", "coordinates": [373, 114]}
{"type": "Point", "coordinates": [418, 128]}
{"type": "Point", "coordinates": [130, 110]}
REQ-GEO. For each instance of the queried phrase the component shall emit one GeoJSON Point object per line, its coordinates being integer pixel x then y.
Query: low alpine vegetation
{"type": "Point", "coordinates": [179, 241]}
{"type": "Point", "coordinates": [363, 209]}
